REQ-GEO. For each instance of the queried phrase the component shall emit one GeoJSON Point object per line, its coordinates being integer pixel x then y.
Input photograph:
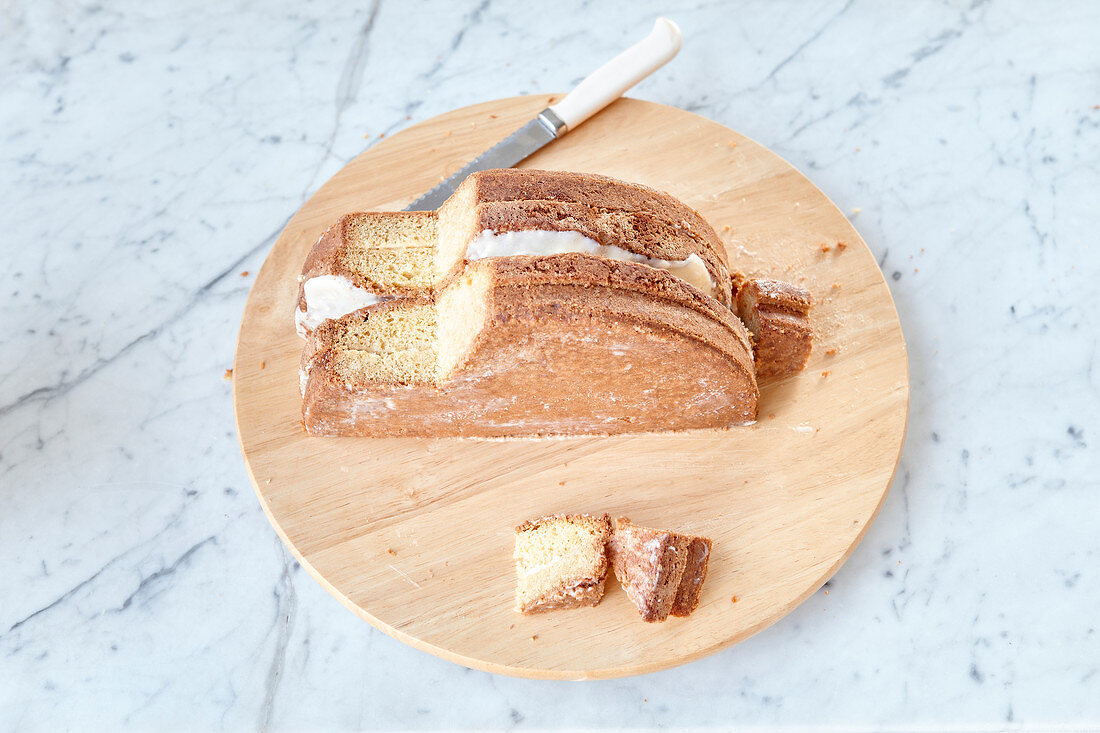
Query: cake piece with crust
{"type": "Point", "coordinates": [561, 562]}
{"type": "Point", "coordinates": [661, 571]}
{"type": "Point", "coordinates": [777, 314]}
{"type": "Point", "coordinates": [529, 347]}
{"type": "Point", "coordinates": [366, 258]}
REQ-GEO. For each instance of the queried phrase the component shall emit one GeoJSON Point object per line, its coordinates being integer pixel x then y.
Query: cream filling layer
{"type": "Point", "coordinates": [333, 296]}
{"type": "Point", "coordinates": [538, 242]}
{"type": "Point", "coordinates": [330, 296]}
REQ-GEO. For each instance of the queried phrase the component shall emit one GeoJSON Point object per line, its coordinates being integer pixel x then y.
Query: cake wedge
{"type": "Point", "coordinates": [661, 571]}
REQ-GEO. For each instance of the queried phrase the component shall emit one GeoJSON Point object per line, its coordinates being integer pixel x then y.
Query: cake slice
{"type": "Point", "coordinates": [533, 346]}
{"type": "Point", "coordinates": [366, 258]}
{"type": "Point", "coordinates": [561, 562]}
{"type": "Point", "coordinates": [777, 314]}
{"type": "Point", "coordinates": [661, 571]}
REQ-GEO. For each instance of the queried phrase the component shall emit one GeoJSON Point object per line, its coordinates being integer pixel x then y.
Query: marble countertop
{"type": "Point", "coordinates": [153, 151]}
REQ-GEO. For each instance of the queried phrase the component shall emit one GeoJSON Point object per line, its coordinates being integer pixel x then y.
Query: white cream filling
{"type": "Point", "coordinates": [538, 242]}
{"type": "Point", "coordinates": [330, 296]}
{"type": "Point", "coordinates": [333, 296]}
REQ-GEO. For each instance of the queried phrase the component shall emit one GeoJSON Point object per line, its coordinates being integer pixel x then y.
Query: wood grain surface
{"type": "Point", "coordinates": [415, 536]}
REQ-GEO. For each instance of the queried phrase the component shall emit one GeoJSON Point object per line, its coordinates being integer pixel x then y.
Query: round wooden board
{"type": "Point", "coordinates": [415, 536]}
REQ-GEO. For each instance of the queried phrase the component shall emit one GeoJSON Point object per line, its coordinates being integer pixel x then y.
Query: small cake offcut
{"type": "Point", "coordinates": [561, 562]}
{"type": "Point", "coordinates": [777, 314]}
{"type": "Point", "coordinates": [661, 571]}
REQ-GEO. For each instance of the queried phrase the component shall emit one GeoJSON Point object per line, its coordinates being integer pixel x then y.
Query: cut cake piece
{"type": "Point", "coordinates": [777, 314]}
{"type": "Point", "coordinates": [661, 571]}
{"type": "Point", "coordinates": [561, 562]}
{"type": "Point", "coordinates": [533, 346]}
{"type": "Point", "coordinates": [368, 257]}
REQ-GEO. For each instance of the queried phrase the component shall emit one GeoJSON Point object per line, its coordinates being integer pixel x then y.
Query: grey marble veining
{"type": "Point", "coordinates": [150, 154]}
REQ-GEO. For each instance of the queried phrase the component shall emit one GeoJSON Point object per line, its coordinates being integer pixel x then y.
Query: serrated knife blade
{"type": "Point", "coordinates": [536, 134]}
{"type": "Point", "coordinates": [596, 91]}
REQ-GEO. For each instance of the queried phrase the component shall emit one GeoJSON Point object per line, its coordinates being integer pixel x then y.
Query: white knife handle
{"type": "Point", "coordinates": [607, 83]}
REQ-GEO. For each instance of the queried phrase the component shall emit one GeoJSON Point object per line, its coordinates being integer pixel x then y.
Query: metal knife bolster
{"type": "Point", "coordinates": [545, 128]}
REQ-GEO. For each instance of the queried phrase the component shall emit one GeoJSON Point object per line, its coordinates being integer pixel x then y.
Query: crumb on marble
{"type": "Point", "coordinates": [381, 135]}
{"type": "Point", "coordinates": [244, 273]}
{"type": "Point", "coordinates": [228, 376]}
{"type": "Point", "coordinates": [856, 210]}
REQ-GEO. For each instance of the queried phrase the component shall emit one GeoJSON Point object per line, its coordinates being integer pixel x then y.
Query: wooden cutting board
{"type": "Point", "coordinates": [415, 536]}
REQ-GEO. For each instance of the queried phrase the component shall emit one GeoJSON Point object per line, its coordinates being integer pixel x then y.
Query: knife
{"type": "Point", "coordinates": [599, 89]}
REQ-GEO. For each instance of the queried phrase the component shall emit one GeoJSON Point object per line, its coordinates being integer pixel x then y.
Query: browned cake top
{"type": "Point", "coordinates": [518, 184]}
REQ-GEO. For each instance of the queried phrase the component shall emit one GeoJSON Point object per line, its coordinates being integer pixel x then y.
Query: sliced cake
{"type": "Point", "coordinates": [777, 314]}
{"type": "Point", "coordinates": [661, 571]}
{"type": "Point", "coordinates": [530, 346]}
{"type": "Point", "coordinates": [561, 562]}
{"type": "Point", "coordinates": [369, 257]}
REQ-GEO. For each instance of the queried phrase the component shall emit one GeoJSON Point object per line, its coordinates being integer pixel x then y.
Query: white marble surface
{"type": "Point", "coordinates": [152, 151]}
